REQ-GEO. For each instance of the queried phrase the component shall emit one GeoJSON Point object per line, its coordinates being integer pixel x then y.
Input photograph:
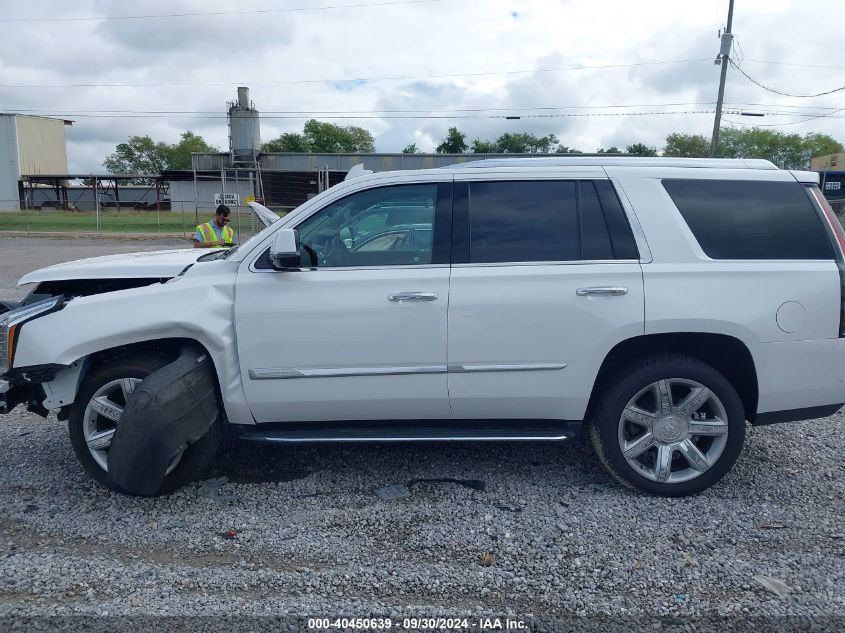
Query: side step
{"type": "Point", "coordinates": [410, 431]}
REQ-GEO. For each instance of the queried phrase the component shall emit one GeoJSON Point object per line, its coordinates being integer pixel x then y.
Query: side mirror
{"type": "Point", "coordinates": [284, 251]}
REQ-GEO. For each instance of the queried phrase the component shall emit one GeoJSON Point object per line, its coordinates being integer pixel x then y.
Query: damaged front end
{"type": "Point", "coordinates": [23, 386]}
{"type": "Point", "coordinates": [16, 390]}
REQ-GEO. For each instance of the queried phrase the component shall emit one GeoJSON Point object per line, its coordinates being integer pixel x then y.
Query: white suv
{"type": "Point", "coordinates": [657, 303]}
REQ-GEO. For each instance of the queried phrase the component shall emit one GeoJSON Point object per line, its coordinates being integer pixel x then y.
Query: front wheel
{"type": "Point", "coordinates": [95, 414]}
{"type": "Point", "coordinates": [669, 425]}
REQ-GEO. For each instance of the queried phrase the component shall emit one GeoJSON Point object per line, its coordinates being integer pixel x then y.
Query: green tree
{"type": "Point", "coordinates": [286, 142]}
{"type": "Point", "coordinates": [517, 143]}
{"type": "Point", "coordinates": [138, 155]}
{"type": "Point", "coordinates": [143, 155]}
{"type": "Point", "coordinates": [323, 138]}
{"type": "Point", "coordinates": [686, 145]}
{"type": "Point", "coordinates": [179, 155]}
{"type": "Point", "coordinates": [610, 150]}
{"type": "Point", "coordinates": [329, 138]}
{"type": "Point", "coordinates": [563, 149]}
{"type": "Point", "coordinates": [787, 151]}
{"type": "Point", "coordinates": [821, 144]}
{"type": "Point", "coordinates": [525, 143]}
{"type": "Point", "coordinates": [484, 147]}
{"type": "Point", "coordinates": [641, 149]}
{"type": "Point", "coordinates": [411, 149]}
{"type": "Point", "coordinates": [454, 143]}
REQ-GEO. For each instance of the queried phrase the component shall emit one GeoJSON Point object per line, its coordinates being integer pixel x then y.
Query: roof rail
{"type": "Point", "coordinates": [617, 161]}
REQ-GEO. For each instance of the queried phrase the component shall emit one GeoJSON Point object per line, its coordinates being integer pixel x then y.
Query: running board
{"type": "Point", "coordinates": [410, 431]}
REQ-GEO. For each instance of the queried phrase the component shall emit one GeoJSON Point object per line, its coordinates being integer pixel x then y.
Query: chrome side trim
{"type": "Point", "coordinates": [388, 438]}
{"type": "Point", "coordinates": [293, 372]}
{"type": "Point", "coordinates": [467, 369]}
{"type": "Point", "coordinates": [574, 262]}
{"type": "Point", "coordinates": [317, 269]}
{"type": "Point", "coordinates": [281, 373]}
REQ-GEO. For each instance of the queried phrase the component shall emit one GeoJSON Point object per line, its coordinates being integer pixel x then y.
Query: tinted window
{"type": "Point", "coordinates": [624, 245]}
{"type": "Point", "coordinates": [523, 221]}
{"type": "Point", "coordinates": [739, 219]}
{"type": "Point", "coordinates": [595, 238]}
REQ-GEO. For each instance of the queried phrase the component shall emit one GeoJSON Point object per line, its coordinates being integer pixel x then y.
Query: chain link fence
{"type": "Point", "coordinates": [175, 216]}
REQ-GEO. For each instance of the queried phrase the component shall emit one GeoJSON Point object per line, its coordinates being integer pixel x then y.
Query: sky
{"type": "Point", "coordinates": [408, 70]}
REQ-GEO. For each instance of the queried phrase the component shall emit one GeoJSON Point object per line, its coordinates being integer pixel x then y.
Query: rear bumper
{"type": "Point", "coordinates": [794, 376]}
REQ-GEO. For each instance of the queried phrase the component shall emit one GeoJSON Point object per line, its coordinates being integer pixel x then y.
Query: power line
{"type": "Point", "coordinates": [779, 105]}
{"type": "Point", "coordinates": [397, 116]}
{"type": "Point", "coordinates": [780, 92]}
{"type": "Point", "coordinates": [218, 13]}
{"type": "Point", "coordinates": [765, 61]}
{"type": "Point", "coordinates": [357, 79]}
{"type": "Point", "coordinates": [765, 107]}
{"type": "Point", "coordinates": [812, 118]}
{"type": "Point", "coordinates": [54, 112]}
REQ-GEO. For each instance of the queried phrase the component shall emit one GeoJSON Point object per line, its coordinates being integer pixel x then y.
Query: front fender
{"type": "Point", "coordinates": [199, 306]}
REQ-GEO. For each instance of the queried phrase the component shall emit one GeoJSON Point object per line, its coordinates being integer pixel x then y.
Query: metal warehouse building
{"type": "Point", "coordinates": [29, 146]}
{"type": "Point", "coordinates": [286, 180]}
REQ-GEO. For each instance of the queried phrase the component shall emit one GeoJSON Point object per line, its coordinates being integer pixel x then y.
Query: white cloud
{"type": "Point", "coordinates": [419, 40]}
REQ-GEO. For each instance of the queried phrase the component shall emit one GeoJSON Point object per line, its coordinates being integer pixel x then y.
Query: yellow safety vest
{"type": "Point", "coordinates": [208, 235]}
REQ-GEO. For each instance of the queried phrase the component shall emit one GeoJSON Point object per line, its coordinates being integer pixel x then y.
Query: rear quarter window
{"type": "Point", "coordinates": [749, 219]}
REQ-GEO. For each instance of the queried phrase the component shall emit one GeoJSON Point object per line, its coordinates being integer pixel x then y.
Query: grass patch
{"type": "Point", "coordinates": [135, 222]}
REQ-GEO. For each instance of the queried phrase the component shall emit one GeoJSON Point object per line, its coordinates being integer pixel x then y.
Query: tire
{"type": "Point", "coordinates": [195, 460]}
{"type": "Point", "coordinates": [635, 393]}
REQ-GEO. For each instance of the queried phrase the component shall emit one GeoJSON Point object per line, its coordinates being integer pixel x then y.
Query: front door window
{"type": "Point", "coordinates": [387, 226]}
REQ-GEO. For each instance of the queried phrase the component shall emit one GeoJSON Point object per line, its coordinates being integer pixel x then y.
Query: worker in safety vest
{"type": "Point", "coordinates": [215, 234]}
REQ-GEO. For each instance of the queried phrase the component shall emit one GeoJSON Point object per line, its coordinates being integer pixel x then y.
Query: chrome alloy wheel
{"type": "Point", "coordinates": [673, 430]}
{"type": "Point", "coordinates": [102, 416]}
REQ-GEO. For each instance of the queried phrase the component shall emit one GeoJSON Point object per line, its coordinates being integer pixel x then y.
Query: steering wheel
{"type": "Point", "coordinates": [336, 254]}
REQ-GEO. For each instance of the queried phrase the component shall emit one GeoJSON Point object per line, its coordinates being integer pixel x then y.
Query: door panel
{"type": "Point", "coordinates": [358, 334]}
{"type": "Point", "coordinates": [528, 335]}
{"type": "Point", "coordinates": [531, 346]}
{"type": "Point", "coordinates": [361, 355]}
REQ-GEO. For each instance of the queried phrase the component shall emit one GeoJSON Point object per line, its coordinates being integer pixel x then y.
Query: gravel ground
{"type": "Point", "coordinates": [534, 530]}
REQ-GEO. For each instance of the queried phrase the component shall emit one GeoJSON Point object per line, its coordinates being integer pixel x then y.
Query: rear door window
{"type": "Point", "coordinates": [523, 221]}
{"type": "Point", "coordinates": [745, 219]}
{"type": "Point", "coordinates": [545, 221]}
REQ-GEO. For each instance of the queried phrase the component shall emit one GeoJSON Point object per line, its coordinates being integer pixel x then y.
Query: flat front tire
{"type": "Point", "coordinates": [95, 414]}
{"type": "Point", "coordinates": [669, 425]}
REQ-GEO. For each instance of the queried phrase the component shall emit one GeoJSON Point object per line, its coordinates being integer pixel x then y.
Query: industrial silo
{"type": "Point", "coordinates": [244, 129]}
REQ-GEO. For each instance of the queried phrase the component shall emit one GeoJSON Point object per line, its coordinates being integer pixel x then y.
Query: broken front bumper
{"type": "Point", "coordinates": [4, 389]}
{"type": "Point", "coordinates": [15, 391]}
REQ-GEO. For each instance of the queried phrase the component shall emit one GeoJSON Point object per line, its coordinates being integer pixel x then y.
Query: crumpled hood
{"type": "Point", "coordinates": [152, 264]}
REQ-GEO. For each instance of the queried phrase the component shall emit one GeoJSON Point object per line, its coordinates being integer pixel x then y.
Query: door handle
{"type": "Point", "coordinates": [399, 297]}
{"type": "Point", "coordinates": [602, 291]}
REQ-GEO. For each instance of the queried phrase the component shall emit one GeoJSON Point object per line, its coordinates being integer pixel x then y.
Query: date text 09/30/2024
{"type": "Point", "coordinates": [419, 624]}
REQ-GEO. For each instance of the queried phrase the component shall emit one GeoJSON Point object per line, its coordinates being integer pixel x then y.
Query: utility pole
{"type": "Point", "coordinates": [724, 56]}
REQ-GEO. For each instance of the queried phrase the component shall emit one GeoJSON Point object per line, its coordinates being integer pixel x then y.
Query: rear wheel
{"type": "Point", "coordinates": [669, 425]}
{"type": "Point", "coordinates": [96, 413]}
